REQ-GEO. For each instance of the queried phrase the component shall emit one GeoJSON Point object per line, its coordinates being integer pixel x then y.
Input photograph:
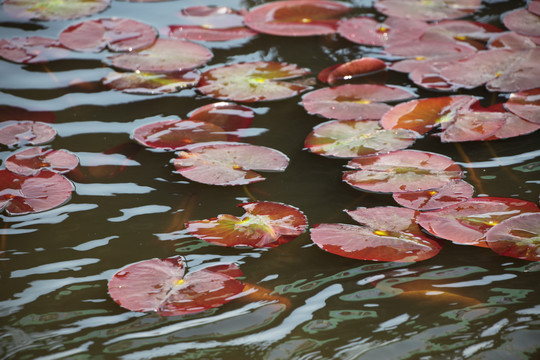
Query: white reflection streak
{"type": "Point", "coordinates": [486, 280]}
{"type": "Point", "coordinates": [73, 265]}
{"type": "Point", "coordinates": [295, 318]}
{"type": "Point", "coordinates": [503, 160]}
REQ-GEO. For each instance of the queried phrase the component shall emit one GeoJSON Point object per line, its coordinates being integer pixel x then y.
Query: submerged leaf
{"type": "Point", "coordinates": [31, 161]}
{"type": "Point", "coordinates": [518, 236]}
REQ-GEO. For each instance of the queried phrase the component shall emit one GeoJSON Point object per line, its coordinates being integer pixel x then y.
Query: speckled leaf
{"type": "Point", "coordinates": [428, 10]}
{"type": "Point", "coordinates": [200, 33]}
{"type": "Point", "coordinates": [31, 161]}
{"type": "Point", "coordinates": [151, 83]}
{"type": "Point", "coordinates": [452, 193]}
{"type": "Point", "coordinates": [525, 104]}
{"type": "Point", "coordinates": [18, 133]}
{"type": "Point", "coordinates": [518, 236]}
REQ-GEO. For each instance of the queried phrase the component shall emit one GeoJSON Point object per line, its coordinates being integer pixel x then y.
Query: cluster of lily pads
{"type": "Point", "coordinates": [436, 203]}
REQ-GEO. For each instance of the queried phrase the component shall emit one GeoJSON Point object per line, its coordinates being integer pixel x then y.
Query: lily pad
{"type": "Point", "coordinates": [151, 83]}
{"type": "Point", "coordinates": [228, 163]}
{"type": "Point", "coordinates": [513, 125]}
{"type": "Point", "coordinates": [474, 33]}
{"type": "Point", "coordinates": [353, 101]}
{"type": "Point", "coordinates": [525, 104]}
{"type": "Point", "coordinates": [511, 40]}
{"type": "Point", "coordinates": [18, 133]}
{"type": "Point", "coordinates": [468, 222]}
{"type": "Point", "coordinates": [33, 160]}
{"type": "Point", "coordinates": [265, 224]}
{"type": "Point", "coordinates": [32, 50]}
{"type": "Point", "coordinates": [252, 81]}
{"type": "Point", "coordinates": [53, 10]}
{"type": "Point", "coordinates": [221, 17]}
{"type": "Point", "coordinates": [166, 55]}
{"type": "Point", "coordinates": [29, 194]}
{"type": "Point", "coordinates": [228, 116]}
{"type": "Point", "coordinates": [296, 17]}
{"type": "Point", "coordinates": [472, 126]}
{"type": "Point", "coordinates": [523, 22]}
{"type": "Point", "coordinates": [389, 234]}
{"type": "Point", "coordinates": [454, 192]}
{"type": "Point", "coordinates": [402, 171]}
{"type": "Point", "coordinates": [159, 285]}
{"type": "Point", "coordinates": [352, 69]}
{"type": "Point", "coordinates": [200, 33]}
{"type": "Point", "coordinates": [428, 10]}
{"type": "Point", "coordinates": [177, 134]}
{"type": "Point", "coordinates": [353, 138]}
{"type": "Point", "coordinates": [116, 34]}
{"type": "Point", "coordinates": [518, 236]}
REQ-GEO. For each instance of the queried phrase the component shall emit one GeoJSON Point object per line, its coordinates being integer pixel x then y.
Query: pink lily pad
{"type": "Point", "coordinates": [228, 163]}
{"type": "Point", "coordinates": [151, 83]}
{"type": "Point", "coordinates": [394, 30]}
{"type": "Point", "coordinates": [54, 10]}
{"type": "Point", "coordinates": [265, 224]}
{"type": "Point", "coordinates": [513, 125]}
{"type": "Point", "coordinates": [518, 236]}
{"type": "Point", "coordinates": [200, 33]}
{"type": "Point", "coordinates": [431, 48]}
{"type": "Point", "coordinates": [353, 101]}
{"type": "Point", "coordinates": [352, 69]}
{"type": "Point", "coordinates": [32, 50]}
{"type": "Point", "coordinates": [221, 17]}
{"type": "Point", "coordinates": [33, 160]}
{"type": "Point", "coordinates": [474, 33]}
{"type": "Point", "coordinates": [252, 81]}
{"type": "Point", "coordinates": [177, 134]}
{"type": "Point", "coordinates": [296, 17]}
{"type": "Point", "coordinates": [523, 22]}
{"type": "Point", "coordinates": [472, 126]}
{"type": "Point", "coordinates": [467, 222]}
{"type": "Point", "coordinates": [402, 171]}
{"type": "Point", "coordinates": [454, 192]}
{"type": "Point", "coordinates": [166, 55]}
{"type": "Point", "coordinates": [228, 116]}
{"type": "Point", "coordinates": [389, 234]}
{"type": "Point", "coordinates": [428, 10]}
{"type": "Point", "coordinates": [534, 7]}
{"type": "Point", "coordinates": [29, 194]}
{"type": "Point", "coordinates": [159, 285]}
{"type": "Point", "coordinates": [525, 104]}
{"type": "Point", "coordinates": [18, 133]}
{"type": "Point", "coordinates": [8, 112]}
{"type": "Point", "coordinates": [116, 34]}
{"type": "Point", "coordinates": [353, 138]}
{"type": "Point", "coordinates": [511, 40]}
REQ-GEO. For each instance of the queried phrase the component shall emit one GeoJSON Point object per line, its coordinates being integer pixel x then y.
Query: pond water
{"type": "Point", "coordinates": [465, 303]}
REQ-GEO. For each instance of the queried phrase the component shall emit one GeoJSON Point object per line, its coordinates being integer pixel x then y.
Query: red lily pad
{"type": "Point", "coordinates": [353, 101]}
{"type": "Point", "coordinates": [468, 222]}
{"type": "Point", "coordinates": [116, 34]}
{"type": "Point", "coordinates": [31, 161]}
{"type": "Point", "coordinates": [29, 194]}
{"type": "Point", "coordinates": [265, 224]}
{"type": "Point", "coordinates": [525, 104]}
{"type": "Point", "coordinates": [523, 22]}
{"type": "Point", "coordinates": [431, 48]}
{"type": "Point", "coordinates": [228, 116]}
{"type": "Point", "coordinates": [402, 171]}
{"type": "Point", "coordinates": [20, 133]}
{"type": "Point", "coordinates": [500, 70]}
{"type": "Point", "coordinates": [394, 30]}
{"type": "Point", "coordinates": [428, 10]}
{"type": "Point", "coordinates": [32, 50]}
{"type": "Point", "coordinates": [200, 33]}
{"type": "Point", "coordinates": [228, 163]}
{"type": "Point", "coordinates": [8, 112]}
{"type": "Point", "coordinates": [54, 10]}
{"type": "Point", "coordinates": [353, 138]}
{"type": "Point", "coordinates": [389, 234]}
{"type": "Point", "coordinates": [159, 285]}
{"type": "Point", "coordinates": [221, 17]}
{"type": "Point", "coordinates": [534, 7]}
{"type": "Point", "coordinates": [352, 69]}
{"type": "Point", "coordinates": [454, 192]}
{"type": "Point", "coordinates": [296, 17]}
{"type": "Point", "coordinates": [513, 125]}
{"type": "Point", "coordinates": [177, 134]}
{"type": "Point", "coordinates": [151, 83]}
{"type": "Point", "coordinates": [252, 81]}
{"type": "Point", "coordinates": [518, 236]}
{"type": "Point", "coordinates": [166, 55]}
{"type": "Point", "coordinates": [472, 126]}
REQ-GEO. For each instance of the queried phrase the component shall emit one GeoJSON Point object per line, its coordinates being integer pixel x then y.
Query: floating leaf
{"type": "Point", "coordinates": [468, 222]}
{"type": "Point", "coordinates": [352, 69]}
{"type": "Point", "coordinates": [523, 22]}
{"type": "Point", "coordinates": [472, 126]}
{"type": "Point", "coordinates": [177, 134]}
{"type": "Point", "coordinates": [228, 163]}
{"type": "Point", "coordinates": [116, 34]}
{"type": "Point", "coordinates": [430, 49]}
{"type": "Point", "coordinates": [474, 33]}
{"type": "Point", "coordinates": [31, 161]}
{"type": "Point", "coordinates": [26, 132]}
{"type": "Point", "coordinates": [513, 124]}
{"type": "Point", "coordinates": [159, 285]}
{"type": "Point", "coordinates": [511, 40]}
{"type": "Point", "coordinates": [200, 33]}
{"type": "Point", "coordinates": [353, 101]}
{"type": "Point", "coordinates": [428, 10]}
{"type": "Point", "coordinates": [402, 171]}
{"type": "Point", "coordinates": [352, 138]}
{"type": "Point", "coordinates": [252, 81]}
{"type": "Point", "coordinates": [53, 10]}
{"type": "Point", "coordinates": [534, 7]}
{"type": "Point", "coordinates": [151, 83]}
{"type": "Point", "coordinates": [525, 104]}
{"type": "Point", "coordinates": [166, 55]}
{"type": "Point", "coordinates": [226, 115]}
{"type": "Point", "coordinates": [221, 17]}
{"type": "Point", "coordinates": [296, 17]}
{"type": "Point", "coordinates": [29, 194]}
{"type": "Point", "coordinates": [390, 234]}
{"type": "Point", "coordinates": [265, 224]}
{"type": "Point", "coordinates": [518, 236]}
{"type": "Point", "coordinates": [32, 50]}
{"type": "Point", "coordinates": [452, 193]}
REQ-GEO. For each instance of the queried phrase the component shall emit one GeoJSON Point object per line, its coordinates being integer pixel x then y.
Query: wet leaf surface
{"type": "Point", "coordinates": [452, 193]}
{"type": "Point", "coordinates": [31, 161]}
{"type": "Point", "coordinates": [53, 10]}
{"type": "Point", "coordinates": [151, 83]}
{"type": "Point", "coordinates": [525, 104]}
{"type": "Point", "coordinates": [518, 236]}
{"type": "Point", "coordinates": [32, 50]}
{"type": "Point", "coordinates": [523, 22]}
{"type": "Point", "coordinates": [352, 69]}
{"type": "Point", "coordinates": [428, 10]}
{"type": "Point", "coordinates": [19, 133]}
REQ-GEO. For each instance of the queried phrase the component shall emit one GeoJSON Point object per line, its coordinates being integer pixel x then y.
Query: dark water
{"type": "Point", "coordinates": [465, 303]}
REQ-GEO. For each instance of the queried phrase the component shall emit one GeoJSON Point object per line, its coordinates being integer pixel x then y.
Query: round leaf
{"type": "Point", "coordinates": [201, 33]}
{"type": "Point", "coordinates": [518, 236]}
{"type": "Point", "coordinates": [226, 115]}
{"type": "Point", "coordinates": [31, 161]}
{"type": "Point", "coordinates": [26, 132]}
{"type": "Point", "coordinates": [53, 10]}
{"type": "Point", "coordinates": [428, 10]}
{"type": "Point", "coordinates": [151, 83]}
{"type": "Point", "coordinates": [525, 104]}
{"type": "Point", "coordinates": [352, 69]}
{"type": "Point", "coordinates": [523, 22]}
{"type": "Point", "coordinates": [32, 50]}
{"type": "Point", "coordinates": [452, 193]}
